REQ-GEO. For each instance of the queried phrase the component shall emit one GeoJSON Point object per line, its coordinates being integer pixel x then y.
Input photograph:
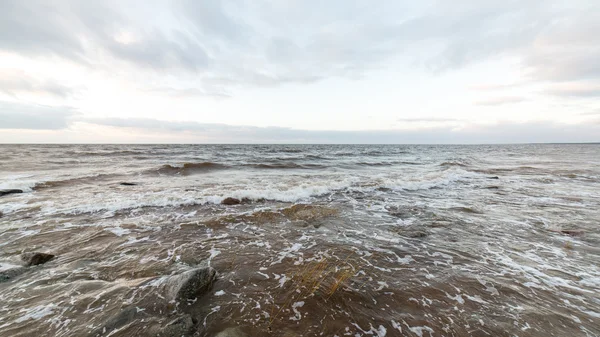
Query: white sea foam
{"type": "Point", "coordinates": [37, 312]}
{"type": "Point", "coordinates": [297, 315]}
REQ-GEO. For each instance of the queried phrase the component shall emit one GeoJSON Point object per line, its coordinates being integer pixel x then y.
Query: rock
{"type": "Point", "coordinates": [466, 210]}
{"type": "Point", "coordinates": [181, 326]}
{"type": "Point", "coordinates": [494, 177]}
{"type": "Point", "coordinates": [231, 332]}
{"type": "Point", "coordinates": [1, 214]}
{"type": "Point", "coordinates": [308, 212]}
{"type": "Point", "coordinates": [230, 201]}
{"type": "Point", "coordinates": [127, 184]}
{"type": "Point", "coordinates": [190, 284]}
{"type": "Point", "coordinates": [570, 232]}
{"type": "Point", "coordinates": [122, 318]}
{"type": "Point", "coordinates": [35, 258]}
{"type": "Point", "coordinates": [8, 272]}
{"type": "Point", "coordinates": [416, 234]}
{"type": "Point", "coordinates": [10, 191]}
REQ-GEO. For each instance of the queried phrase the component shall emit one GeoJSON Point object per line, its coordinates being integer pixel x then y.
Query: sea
{"type": "Point", "coordinates": [305, 240]}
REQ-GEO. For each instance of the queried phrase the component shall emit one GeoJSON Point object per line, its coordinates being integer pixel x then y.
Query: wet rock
{"type": "Point", "coordinates": [1, 214]}
{"type": "Point", "coordinates": [230, 201]}
{"type": "Point", "coordinates": [262, 217]}
{"type": "Point", "coordinates": [573, 232]}
{"type": "Point", "coordinates": [494, 177]}
{"type": "Point", "coordinates": [35, 258]}
{"type": "Point", "coordinates": [570, 232]}
{"type": "Point", "coordinates": [416, 234]}
{"type": "Point", "coordinates": [181, 326]}
{"type": "Point", "coordinates": [405, 212]}
{"type": "Point", "coordinates": [384, 189]}
{"type": "Point", "coordinates": [9, 191]}
{"type": "Point", "coordinates": [8, 272]}
{"type": "Point", "coordinates": [297, 213]}
{"type": "Point", "coordinates": [231, 332]}
{"type": "Point", "coordinates": [308, 212]}
{"type": "Point", "coordinates": [466, 210]}
{"type": "Point", "coordinates": [190, 284]}
{"type": "Point", "coordinates": [127, 184]}
{"type": "Point", "coordinates": [122, 318]}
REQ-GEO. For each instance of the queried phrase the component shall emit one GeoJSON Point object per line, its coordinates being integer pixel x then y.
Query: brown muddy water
{"type": "Point", "coordinates": [336, 240]}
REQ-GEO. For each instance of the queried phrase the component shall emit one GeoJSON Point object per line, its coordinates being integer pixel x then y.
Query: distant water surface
{"type": "Point", "coordinates": [346, 240]}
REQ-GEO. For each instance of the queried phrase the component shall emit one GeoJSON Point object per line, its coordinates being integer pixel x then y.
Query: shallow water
{"type": "Point", "coordinates": [387, 240]}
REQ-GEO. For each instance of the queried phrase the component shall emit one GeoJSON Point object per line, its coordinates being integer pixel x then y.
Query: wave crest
{"type": "Point", "coordinates": [190, 168]}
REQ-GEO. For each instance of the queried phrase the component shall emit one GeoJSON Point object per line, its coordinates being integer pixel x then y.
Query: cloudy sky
{"type": "Point", "coordinates": [299, 71]}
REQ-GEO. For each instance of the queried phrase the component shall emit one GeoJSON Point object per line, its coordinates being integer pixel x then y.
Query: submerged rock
{"type": "Point", "coordinates": [9, 191]}
{"type": "Point", "coordinates": [416, 234]}
{"type": "Point", "coordinates": [127, 184]}
{"type": "Point", "coordinates": [35, 258]}
{"type": "Point", "coordinates": [466, 210]}
{"type": "Point", "coordinates": [181, 326]}
{"type": "Point", "coordinates": [230, 201]}
{"type": "Point", "coordinates": [300, 213]}
{"type": "Point", "coordinates": [308, 212]}
{"type": "Point", "coordinates": [8, 272]}
{"type": "Point", "coordinates": [122, 318]}
{"type": "Point", "coordinates": [570, 232]}
{"type": "Point", "coordinates": [231, 332]}
{"type": "Point", "coordinates": [190, 284]}
{"type": "Point", "coordinates": [1, 214]}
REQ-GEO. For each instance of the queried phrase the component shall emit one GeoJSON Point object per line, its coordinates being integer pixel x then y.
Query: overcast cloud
{"type": "Point", "coordinates": [303, 70]}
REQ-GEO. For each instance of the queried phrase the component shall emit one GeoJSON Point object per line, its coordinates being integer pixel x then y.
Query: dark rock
{"type": "Point", "coordinates": [9, 273]}
{"type": "Point", "coordinates": [35, 258]}
{"type": "Point", "coordinates": [230, 201]}
{"type": "Point", "coordinates": [570, 232]}
{"type": "Point", "coordinates": [416, 234]}
{"type": "Point", "coordinates": [11, 191]}
{"type": "Point", "coordinates": [231, 332]}
{"type": "Point", "coordinates": [190, 284]}
{"type": "Point", "coordinates": [466, 210]}
{"type": "Point", "coordinates": [1, 214]}
{"type": "Point", "coordinates": [122, 318]}
{"type": "Point", "coordinates": [181, 326]}
{"type": "Point", "coordinates": [127, 184]}
{"type": "Point", "coordinates": [494, 177]}
{"type": "Point", "coordinates": [308, 213]}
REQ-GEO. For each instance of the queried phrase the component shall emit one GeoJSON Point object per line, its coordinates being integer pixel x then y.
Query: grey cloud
{"type": "Point", "coordinates": [35, 117]}
{"type": "Point", "coordinates": [189, 92]}
{"type": "Point", "coordinates": [494, 87]}
{"type": "Point", "coordinates": [591, 91]}
{"type": "Point", "coordinates": [14, 83]}
{"type": "Point", "coordinates": [260, 43]}
{"type": "Point", "coordinates": [160, 52]}
{"type": "Point", "coordinates": [211, 18]}
{"type": "Point", "coordinates": [36, 28]}
{"type": "Point", "coordinates": [417, 120]}
{"type": "Point", "coordinates": [495, 101]}
{"type": "Point", "coordinates": [531, 132]}
{"type": "Point", "coordinates": [76, 30]}
{"type": "Point", "coordinates": [569, 49]}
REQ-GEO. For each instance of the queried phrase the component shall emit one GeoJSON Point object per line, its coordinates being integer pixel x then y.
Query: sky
{"type": "Point", "coordinates": [275, 71]}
